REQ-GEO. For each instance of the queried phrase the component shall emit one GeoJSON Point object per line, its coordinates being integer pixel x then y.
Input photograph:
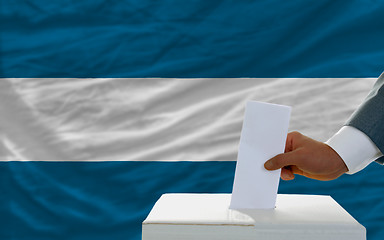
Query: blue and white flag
{"type": "Point", "coordinates": [106, 105]}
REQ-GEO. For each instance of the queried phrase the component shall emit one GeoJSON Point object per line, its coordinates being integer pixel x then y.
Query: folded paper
{"type": "Point", "coordinates": [263, 136]}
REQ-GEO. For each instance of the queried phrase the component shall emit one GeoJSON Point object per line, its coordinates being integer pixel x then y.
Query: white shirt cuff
{"type": "Point", "coordinates": [355, 148]}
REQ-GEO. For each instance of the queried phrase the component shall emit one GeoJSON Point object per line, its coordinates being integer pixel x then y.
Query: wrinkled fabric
{"type": "Point", "coordinates": [141, 38]}
{"type": "Point", "coordinates": [319, 57]}
{"type": "Point", "coordinates": [159, 119]}
{"type": "Point", "coordinates": [150, 136]}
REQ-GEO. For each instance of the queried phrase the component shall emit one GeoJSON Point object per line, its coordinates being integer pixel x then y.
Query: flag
{"type": "Point", "coordinates": [106, 105]}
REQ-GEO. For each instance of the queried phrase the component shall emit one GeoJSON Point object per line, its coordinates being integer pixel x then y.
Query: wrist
{"type": "Point", "coordinates": [337, 161]}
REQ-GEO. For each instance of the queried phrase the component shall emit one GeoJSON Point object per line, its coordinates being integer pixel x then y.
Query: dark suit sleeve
{"type": "Point", "coordinates": [369, 116]}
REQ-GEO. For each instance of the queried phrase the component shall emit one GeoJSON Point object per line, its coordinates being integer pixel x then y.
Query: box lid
{"type": "Point", "coordinates": [213, 209]}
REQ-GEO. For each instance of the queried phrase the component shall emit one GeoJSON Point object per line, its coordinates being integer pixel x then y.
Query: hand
{"type": "Point", "coordinates": [308, 157]}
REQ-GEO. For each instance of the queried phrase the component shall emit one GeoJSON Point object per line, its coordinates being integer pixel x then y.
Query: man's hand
{"type": "Point", "coordinates": [308, 157]}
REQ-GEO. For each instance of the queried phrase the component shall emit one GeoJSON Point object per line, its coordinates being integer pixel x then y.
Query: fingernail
{"type": "Point", "coordinates": [268, 165]}
{"type": "Point", "coordinates": [287, 176]}
{"type": "Point", "coordinates": [284, 175]}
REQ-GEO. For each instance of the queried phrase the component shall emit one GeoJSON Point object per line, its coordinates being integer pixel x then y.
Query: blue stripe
{"type": "Point", "coordinates": [109, 200]}
{"type": "Point", "coordinates": [136, 38]}
{"type": "Point", "coordinates": [97, 200]}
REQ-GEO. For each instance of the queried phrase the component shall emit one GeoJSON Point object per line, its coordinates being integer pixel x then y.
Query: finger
{"type": "Point", "coordinates": [296, 170]}
{"type": "Point", "coordinates": [287, 174]}
{"type": "Point", "coordinates": [321, 177]}
{"type": "Point", "coordinates": [281, 160]}
{"type": "Point", "coordinates": [289, 143]}
{"type": "Point", "coordinates": [291, 138]}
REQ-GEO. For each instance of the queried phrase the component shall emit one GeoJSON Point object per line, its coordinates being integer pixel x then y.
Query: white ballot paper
{"type": "Point", "coordinates": [263, 136]}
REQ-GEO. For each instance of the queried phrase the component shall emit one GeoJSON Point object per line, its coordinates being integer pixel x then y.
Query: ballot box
{"type": "Point", "coordinates": [208, 217]}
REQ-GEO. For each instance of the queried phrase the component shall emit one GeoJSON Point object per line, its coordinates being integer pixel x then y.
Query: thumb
{"type": "Point", "coordinates": [281, 160]}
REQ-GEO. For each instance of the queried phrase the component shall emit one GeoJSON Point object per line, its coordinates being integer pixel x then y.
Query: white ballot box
{"type": "Point", "coordinates": [208, 217]}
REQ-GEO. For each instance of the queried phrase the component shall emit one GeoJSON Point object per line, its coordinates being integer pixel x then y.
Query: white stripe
{"type": "Point", "coordinates": [155, 119]}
